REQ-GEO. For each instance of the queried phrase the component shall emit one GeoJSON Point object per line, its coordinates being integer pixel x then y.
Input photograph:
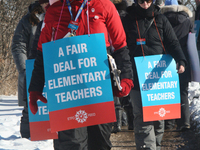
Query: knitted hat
{"type": "Point", "coordinates": [43, 1]}
{"type": "Point", "coordinates": [122, 6]}
{"type": "Point", "coordinates": [136, 1]}
{"type": "Point", "coordinates": [171, 2]}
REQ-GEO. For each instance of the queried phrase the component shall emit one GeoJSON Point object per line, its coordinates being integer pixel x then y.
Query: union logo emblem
{"type": "Point", "coordinates": [162, 112]}
{"type": "Point", "coordinates": [81, 116]}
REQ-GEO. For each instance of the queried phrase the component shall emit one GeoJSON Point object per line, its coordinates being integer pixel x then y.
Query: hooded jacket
{"type": "Point", "coordinates": [153, 44]}
{"type": "Point", "coordinates": [178, 16]}
{"type": "Point", "coordinates": [103, 18]}
{"type": "Point", "coordinates": [21, 44]}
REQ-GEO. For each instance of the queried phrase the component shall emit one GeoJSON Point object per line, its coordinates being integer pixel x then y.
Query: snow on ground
{"type": "Point", "coordinates": [194, 101]}
{"type": "Point", "coordinates": [10, 139]}
{"type": "Point", "coordinates": [10, 115]}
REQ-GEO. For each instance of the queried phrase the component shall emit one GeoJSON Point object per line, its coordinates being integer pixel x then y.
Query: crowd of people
{"type": "Point", "coordinates": [162, 25]}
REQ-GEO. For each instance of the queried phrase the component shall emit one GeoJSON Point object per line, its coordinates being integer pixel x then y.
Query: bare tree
{"type": "Point", "coordinates": [11, 11]}
{"type": "Point", "coordinates": [191, 4]}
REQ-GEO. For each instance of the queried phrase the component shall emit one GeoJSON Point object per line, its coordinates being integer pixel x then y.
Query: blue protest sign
{"type": "Point", "coordinates": [159, 84]}
{"type": "Point", "coordinates": [77, 75]}
{"type": "Point", "coordinates": [43, 112]}
{"type": "Point", "coordinates": [39, 123]}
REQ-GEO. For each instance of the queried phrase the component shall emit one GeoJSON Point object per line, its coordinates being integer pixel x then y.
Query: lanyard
{"type": "Point", "coordinates": [70, 10]}
{"type": "Point", "coordinates": [79, 11]}
{"type": "Point", "coordinates": [139, 35]}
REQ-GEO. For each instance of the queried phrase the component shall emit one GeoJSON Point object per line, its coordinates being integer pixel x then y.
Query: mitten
{"type": "Point", "coordinates": [34, 96]}
{"type": "Point", "coordinates": [127, 85]}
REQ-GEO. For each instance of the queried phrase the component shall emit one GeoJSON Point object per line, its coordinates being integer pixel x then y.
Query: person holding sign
{"type": "Point", "coordinates": [68, 18]}
{"type": "Point", "coordinates": [149, 33]}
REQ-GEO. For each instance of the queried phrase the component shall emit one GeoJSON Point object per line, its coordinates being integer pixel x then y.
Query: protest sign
{"type": "Point", "coordinates": [159, 86]}
{"type": "Point", "coordinates": [39, 123]}
{"type": "Point", "coordinates": [78, 82]}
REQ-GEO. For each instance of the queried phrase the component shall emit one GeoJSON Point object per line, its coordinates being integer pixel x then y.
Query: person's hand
{"type": "Point", "coordinates": [181, 69]}
{"type": "Point", "coordinates": [34, 96]}
{"type": "Point", "coordinates": [180, 66]}
{"type": "Point", "coordinates": [127, 85]}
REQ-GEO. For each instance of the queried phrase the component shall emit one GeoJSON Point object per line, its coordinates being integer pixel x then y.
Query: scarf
{"type": "Point", "coordinates": [144, 13]}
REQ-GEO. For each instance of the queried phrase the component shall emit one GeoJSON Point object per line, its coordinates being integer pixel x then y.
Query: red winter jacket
{"type": "Point", "coordinates": [106, 21]}
{"type": "Point", "coordinates": [103, 18]}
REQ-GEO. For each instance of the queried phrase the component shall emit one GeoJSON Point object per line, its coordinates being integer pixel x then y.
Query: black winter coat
{"type": "Point", "coordinates": [153, 44]}
{"type": "Point", "coordinates": [178, 16]}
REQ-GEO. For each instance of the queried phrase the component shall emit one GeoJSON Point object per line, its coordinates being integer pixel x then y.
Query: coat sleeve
{"type": "Point", "coordinates": [19, 45]}
{"type": "Point", "coordinates": [171, 42]}
{"type": "Point", "coordinates": [37, 79]}
{"type": "Point", "coordinates": [118, 38]}
{"type": "Point", "coordinates": [191, 27]}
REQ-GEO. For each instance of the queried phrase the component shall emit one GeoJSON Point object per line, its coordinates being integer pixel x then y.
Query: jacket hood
{"type": "Point", "coordinates": [34, 12]}
{"type": "Point", "coordinates": [33, 6]}
{"type": "Point", "coordinates": [176, 8]}
{"type": "Point", "coordinates": [131, 10]}
{"type": "Point", "coordinates": [176, 14]}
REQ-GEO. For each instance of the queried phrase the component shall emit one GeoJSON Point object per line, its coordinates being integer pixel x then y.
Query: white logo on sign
{"type": "Point", "coordinates": [81, 116]}
{"type": "Point", "coordinates": [162, 112]}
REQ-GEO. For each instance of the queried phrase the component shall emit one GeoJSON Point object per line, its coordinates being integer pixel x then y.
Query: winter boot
{"type": "Point", "coordinates": [118, 124]}
{"type": "Point", "coordinates": [24, 124]}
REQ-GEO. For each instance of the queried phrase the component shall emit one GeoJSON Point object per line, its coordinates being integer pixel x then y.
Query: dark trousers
{"type": "Point", "coordinates": [127, 105]}
{"type": "Point", "coordinates": [169, 124]}
{"type": "Point", "coordinates": [185, 114]}
{"type": "Point", "coordinates": [24, 124]}
{"type": "Point", "coordinates": [118, 112]}
{"type": "Point", "coordinates": [148, 135]}
{"type": "Point", "coordinates": [99, 137]}
{"type": "Point", "coordinates": [95, 137]}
